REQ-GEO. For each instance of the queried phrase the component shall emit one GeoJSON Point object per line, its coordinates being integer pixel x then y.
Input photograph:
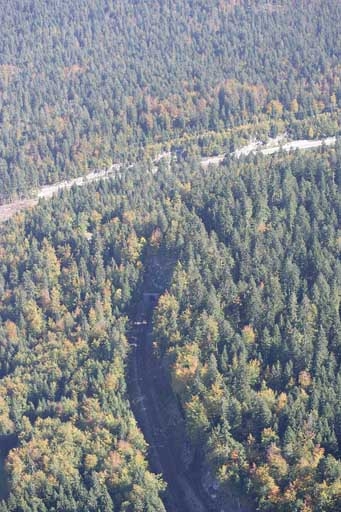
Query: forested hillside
{"type": "Point", "coordinates": [192, 306]}
{"type": "Point", "coordinates": [248, 329]}
{"type": "Point", "coordinates": [86, 83]}
{"type": "Point", "coordinates": [67, 274]}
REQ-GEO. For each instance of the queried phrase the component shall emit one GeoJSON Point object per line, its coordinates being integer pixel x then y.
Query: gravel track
{"type": "Point", "coordinates": [46, 192]}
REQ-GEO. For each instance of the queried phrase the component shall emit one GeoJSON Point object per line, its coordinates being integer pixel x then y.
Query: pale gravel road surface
{"type": "Point", "coordinates": [8, 210]}
{"type": "Point", "coordinates": [256, 147]}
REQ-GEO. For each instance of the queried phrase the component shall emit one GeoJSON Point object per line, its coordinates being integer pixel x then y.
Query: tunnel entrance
{"type": "Point", "coordinates": [151, 298]}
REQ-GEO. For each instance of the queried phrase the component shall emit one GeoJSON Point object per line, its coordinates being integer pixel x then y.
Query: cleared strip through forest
{"type": "Point", "coordinates": [159, 416]}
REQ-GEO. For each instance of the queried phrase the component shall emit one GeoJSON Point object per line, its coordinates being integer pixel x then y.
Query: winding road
{"type": "Point", "coordinates": [273, 146]}
{"type": "Point", "coordinates": [8, 210]}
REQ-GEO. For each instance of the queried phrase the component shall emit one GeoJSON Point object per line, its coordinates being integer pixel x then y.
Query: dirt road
{"type": "Point", "coordinates": [8, 210]}
{"type": "Point", "coordinates": [270, 148]}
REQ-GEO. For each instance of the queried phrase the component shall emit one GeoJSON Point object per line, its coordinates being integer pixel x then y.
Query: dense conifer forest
{"type": "Point", "coordinates": [247, 326]}
{"type": "Point", "coordinates": [230, 273]}
{"type": "Point", "coordinates": [84, 83]}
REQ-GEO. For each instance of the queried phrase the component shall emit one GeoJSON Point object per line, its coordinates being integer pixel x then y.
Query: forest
{"type": "Point", "coordinates": [247, 327]}
{"type": "Point", "coordinates": [229, 274]}
{"type": "Point", "coordinates": [86, 83]}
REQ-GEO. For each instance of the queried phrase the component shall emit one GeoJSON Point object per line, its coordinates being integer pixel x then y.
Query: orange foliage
{"type": "Point", "coordinates": [72, 71]}
{"type": "Point", "coordinates": [304, 379]}
{"type": "Point", "coordinates": [249, 334]}
{"type": "Point", "coordinates": [262, 227]}
{"type": "Point", "coordinates": [11, 330]}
